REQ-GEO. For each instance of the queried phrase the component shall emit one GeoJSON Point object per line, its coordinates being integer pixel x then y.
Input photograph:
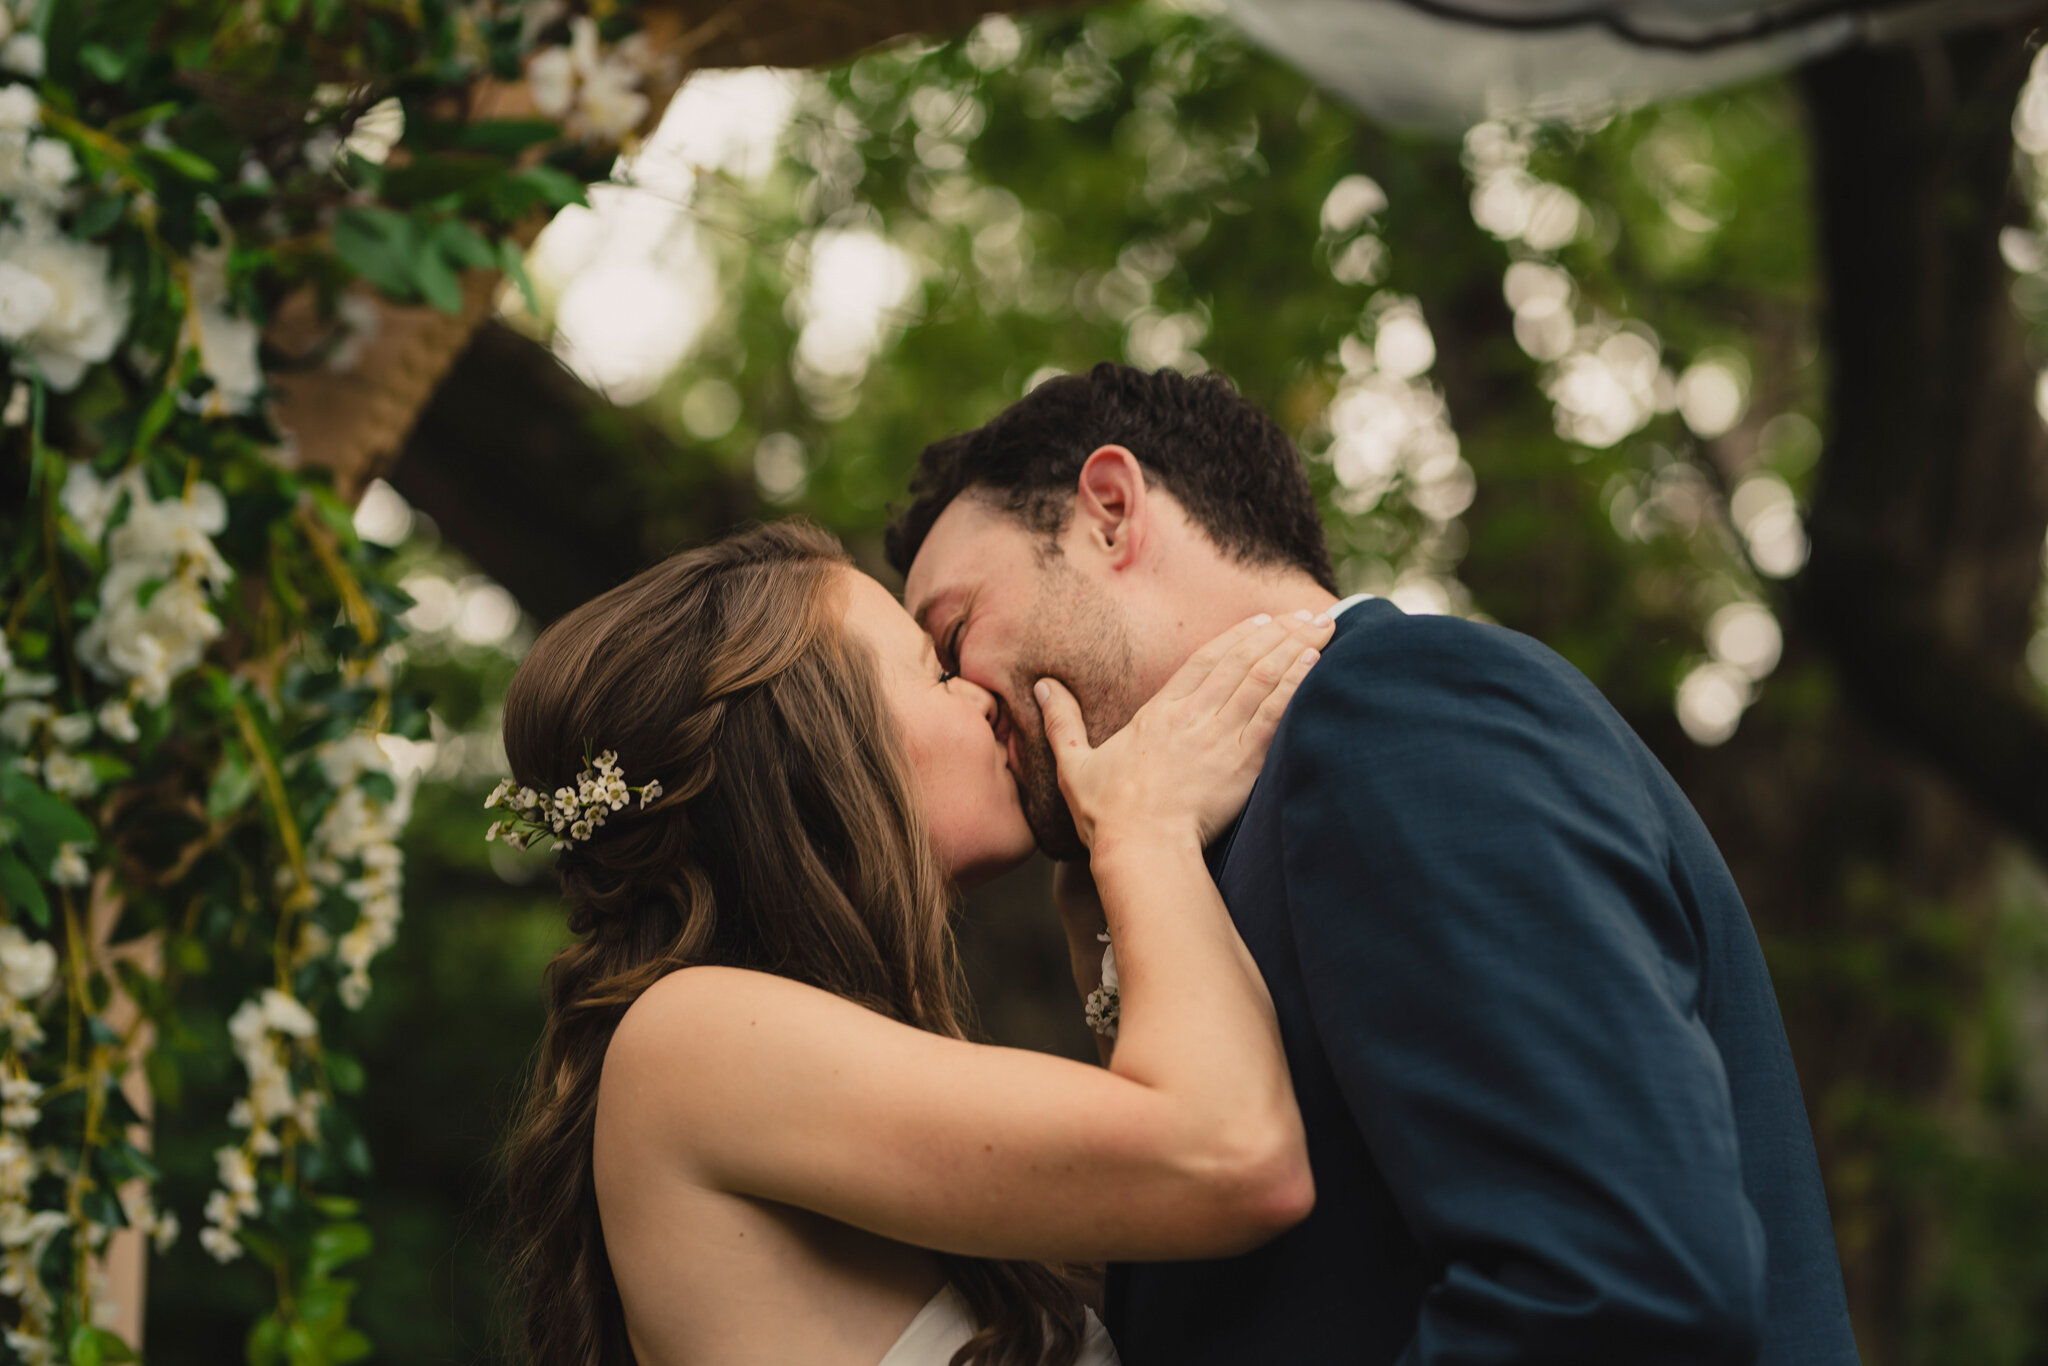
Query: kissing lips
{"type": "Point", "coordinates": [1006, 735]}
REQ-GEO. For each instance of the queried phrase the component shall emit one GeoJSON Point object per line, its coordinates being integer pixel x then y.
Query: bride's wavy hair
{"type": "Point", "coordinates": [788, 839]}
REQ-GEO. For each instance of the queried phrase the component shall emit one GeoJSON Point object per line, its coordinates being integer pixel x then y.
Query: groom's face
{"type": "Point", "coordinates": [1005, 609]}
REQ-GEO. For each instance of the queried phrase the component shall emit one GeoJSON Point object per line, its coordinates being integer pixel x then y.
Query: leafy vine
{"type": "Point", "coordinates": [198, 813]}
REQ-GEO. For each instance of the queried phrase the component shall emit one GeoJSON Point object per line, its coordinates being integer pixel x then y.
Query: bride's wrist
{"type": "Point", "coordinates": [1141, 842]}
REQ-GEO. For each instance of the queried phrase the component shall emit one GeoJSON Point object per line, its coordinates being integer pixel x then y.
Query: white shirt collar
{"type": "Point", "coordinates": [1348, 603]}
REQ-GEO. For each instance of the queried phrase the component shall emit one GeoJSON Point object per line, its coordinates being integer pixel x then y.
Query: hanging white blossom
{"type": "Point", "coordinates": [27, 966]}
{"type": "Point", "coordinates": [69, 776]}
{"type": "Point", "coordinates": [595, 92]}
{"type": "Point", "coordinates": [117, 722]}
{"type": "Point", "coordinates": [35, 172]}
{"type": "Point", "coordinates": [227, 343]}
{"type": "Point", "coordinates": [265, 1031]}
{"type": "Point", "coordinates": [71, 731]}
{"type": "Point", "coordinates": [69, 868]}
{"type": "Point", "coordinates": [19, 109]}
{"type": "Point", "coordinates": [60, 307]}
{"type": "Point", "coordinates": [167, 544]}
{"type": "Point", "coordinates": [361, 829]}
{"type": "Point", "coordinates": [90, 500]}
{"type": "Point", "coordinates": [21, 47]}
{"type": "Point", "coordinates": [21, 718]}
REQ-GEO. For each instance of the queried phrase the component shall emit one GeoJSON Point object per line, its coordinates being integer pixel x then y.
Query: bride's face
{"type": "Point", "coordinates": [956, 737]}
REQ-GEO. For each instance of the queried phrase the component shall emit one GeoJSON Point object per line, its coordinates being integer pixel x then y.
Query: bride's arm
{"type": "Point", "coordinates": [1187, 1145]}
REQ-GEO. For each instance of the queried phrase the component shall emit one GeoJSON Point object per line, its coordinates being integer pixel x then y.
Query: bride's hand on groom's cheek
{"type": "Point", "coordinates": [1182, 768]}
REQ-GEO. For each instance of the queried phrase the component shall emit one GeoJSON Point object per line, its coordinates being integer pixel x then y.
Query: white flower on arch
{"type": "Point", "coordinates": [61, 309]}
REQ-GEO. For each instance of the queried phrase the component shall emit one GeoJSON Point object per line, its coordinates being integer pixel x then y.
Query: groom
{"type": "Point", "coordinates": [1550, 1105]}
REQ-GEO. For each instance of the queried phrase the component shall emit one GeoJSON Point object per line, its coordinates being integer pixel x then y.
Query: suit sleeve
{"type": "Point", "coordinates": [1504, 979]}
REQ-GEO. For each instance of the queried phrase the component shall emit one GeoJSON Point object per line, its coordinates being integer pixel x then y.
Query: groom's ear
{"type": "Point", "coordinates": [1111, 513]}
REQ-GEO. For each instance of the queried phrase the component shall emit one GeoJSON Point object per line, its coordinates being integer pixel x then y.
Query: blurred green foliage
{"type": "Point", "coordinates": [1135, 178]}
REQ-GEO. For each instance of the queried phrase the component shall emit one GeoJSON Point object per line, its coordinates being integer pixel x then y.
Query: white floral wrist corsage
{"type": "Point", "coordinates": [1104, 1004]}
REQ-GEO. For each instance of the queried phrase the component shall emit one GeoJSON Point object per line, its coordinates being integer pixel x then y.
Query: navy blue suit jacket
{"type": "Point", "coordinates": [1550, 1105]}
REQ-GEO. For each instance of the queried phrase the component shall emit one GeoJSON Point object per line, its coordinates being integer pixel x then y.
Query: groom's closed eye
{"type": "Point", "coordinates": [944, 635]}
{"type": "Point", "coordinates": [945, 620]}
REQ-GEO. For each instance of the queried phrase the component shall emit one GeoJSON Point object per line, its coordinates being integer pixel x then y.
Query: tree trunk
{"type": "Point", "coordinates": [550, 489]}
{"type": "Point", "coordinates": [1930, 508]}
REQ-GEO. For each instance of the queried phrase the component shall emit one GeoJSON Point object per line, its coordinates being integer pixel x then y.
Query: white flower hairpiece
{"type": "Point", "coordinates": [1104, 1007]}
{"type": "Point", "coordinates": [572, 813]}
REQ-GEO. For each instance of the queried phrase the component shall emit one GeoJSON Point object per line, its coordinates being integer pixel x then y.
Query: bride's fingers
{"type": "Point", "coordinates": [1233, 672]}
{"type": "Point", "coordinates": [1064, 729]}
{"type": "Point", "coordinates": [1265, 718]}
{"type": "Point", "coordinates": [1199, 665]}
{"type": "Point", "coordinates": [1266, 673]}
{"type": "Point", "coordinates": [1222, 680]}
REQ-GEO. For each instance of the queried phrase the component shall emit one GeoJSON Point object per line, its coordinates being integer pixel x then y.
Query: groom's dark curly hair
{"type": "Point", "coordinates": [1237, 475]}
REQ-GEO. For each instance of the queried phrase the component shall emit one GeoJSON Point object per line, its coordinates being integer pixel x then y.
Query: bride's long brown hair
{"type": "Point", "coordinates": [788, 839]}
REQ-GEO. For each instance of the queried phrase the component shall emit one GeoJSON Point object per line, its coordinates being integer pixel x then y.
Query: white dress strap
{"type": "Point", "coordinates": [940, 1329]}
{"type": "Point", "coordinates": [945, 1324]}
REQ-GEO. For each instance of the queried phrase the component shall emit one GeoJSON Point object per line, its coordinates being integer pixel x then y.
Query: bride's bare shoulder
{"type": "Point", "coordinates": [705, 1051]}
{"type": "Point", "coordinates": [710, 1013]}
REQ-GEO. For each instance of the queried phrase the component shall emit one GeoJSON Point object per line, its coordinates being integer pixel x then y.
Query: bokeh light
{"type": "Point", "coordinates": [851, 299]}
{"type": "Point", "coordinates": [1712, 394]}
{"type": "Point", "coordinates": [629, 283]}
{"type": "Point", "coordinates": [1710, 702]}
{"type": "Point", "coordinates": [1767, 516]}
{"type": "Point", "coordinates": [710, 409]}
{"type": "Point", "coordinates": [779, 467]}
{"type": "Point", "coordinates": [383, 515]}
{"type": "Point", "coordinates": [1746, 636]}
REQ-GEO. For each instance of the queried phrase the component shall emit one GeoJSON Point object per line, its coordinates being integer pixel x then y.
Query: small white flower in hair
{"type": "Point", "coordinates": [571, 813]}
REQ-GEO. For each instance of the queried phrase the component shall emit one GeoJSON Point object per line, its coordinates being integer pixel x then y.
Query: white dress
{"type": "Point", "coordinates": [943, 1326]}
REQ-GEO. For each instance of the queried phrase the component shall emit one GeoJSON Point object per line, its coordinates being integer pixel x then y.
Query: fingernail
{"type": "Point", "coordinates": [1302, 615]}
{"type": "Point", "coordinates": [1324, 618]}
{"type": "Point", "coordinates": [1310, 656]}
{"type": "Point", "coordinates": [1041, 690]}
{"type": "Point", "coordinates": [1262, 618]}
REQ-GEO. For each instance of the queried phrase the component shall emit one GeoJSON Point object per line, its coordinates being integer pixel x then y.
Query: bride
{"type": "Point", "coordinates": [757, 1131]}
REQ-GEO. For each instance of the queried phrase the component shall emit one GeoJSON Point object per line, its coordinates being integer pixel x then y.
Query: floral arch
{"type": "Point", "coordinates": [239, 246]}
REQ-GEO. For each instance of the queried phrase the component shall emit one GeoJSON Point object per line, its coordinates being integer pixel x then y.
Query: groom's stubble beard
{"type": "Point", "coordinates": [1077, 636]}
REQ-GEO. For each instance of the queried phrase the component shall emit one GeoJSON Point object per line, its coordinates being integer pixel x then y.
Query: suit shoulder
{"type": "Point", "coordinates": [1390, 654]}
{"type": "Point", "coordinates": [1398, 698]}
